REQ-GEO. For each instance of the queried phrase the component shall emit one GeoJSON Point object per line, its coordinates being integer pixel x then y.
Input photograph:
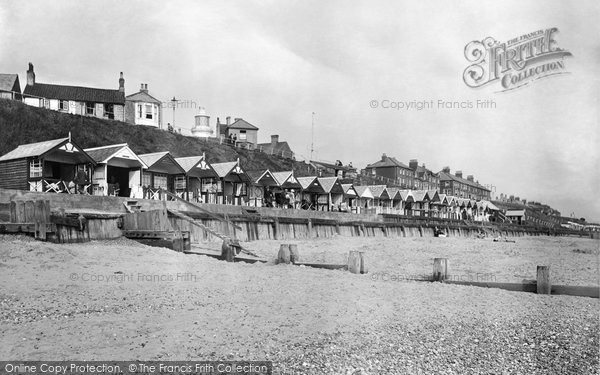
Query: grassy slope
{"type": "Point", "coordinates": [22, 124]}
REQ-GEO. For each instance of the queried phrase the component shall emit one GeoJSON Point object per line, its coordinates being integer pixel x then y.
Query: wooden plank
{"type": "Point", "coordinates": [29, 212]}
{"type": "Point", "coordinates": [13, 212]}
{"type": "Point", "coordinates": [20, 216]}
{"type": "Point", "coordinates": [40, 219]}
{"type": "Point", "coordinates": [572, 290]}
{"type": "Point", "coordinates": [23, 228]}
{"type": "Point", "coordinates": [328, 266]}
{"type": "Point", "coordinates": [544, 285]}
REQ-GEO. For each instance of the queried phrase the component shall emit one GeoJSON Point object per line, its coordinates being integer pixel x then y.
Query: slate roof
{"type": "Point", "coordinates": [406, 195]}
{"type": "Point", "coordinates": [305, 182]}
{"type": "Point", "coordinates": [142, 97]}
{"type": "Point", "coordinates": [189, 162]}
{"type": "Point", "coordinates": [450, 177]}
{"type": "Point", "coordinates": [102, 153]}
{"type": "Point", "coordinates": [7, 81]}
{"type": "Point", "coordinates": [162, 160]}
{"type": "Point", "coordinates": [279, 147]}
{"type": "Point", "coordinates": [223, 169]}
{"type": "Point", "coordinates": [394, 193]}
{"type": "Point", "coordinates": [349, 189]}
{"type": "Point", "coordinates": [388, 161]}
{"type": "Point", "coordinates": [77, 93]}
{"type": "Point", "coordinates": [379, 191]}
{"type": "Point", "coordinates": [32, 149]}
{"type": "Point", "coordinates": [328, 184]}
{"type": "Point", "coordinates": [242, 124]}
{"type": "Point", "coordinates": [363, 191]}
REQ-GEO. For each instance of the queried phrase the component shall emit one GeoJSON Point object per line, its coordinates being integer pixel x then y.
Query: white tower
{"type": "Point", "coordinates": [202, 125]}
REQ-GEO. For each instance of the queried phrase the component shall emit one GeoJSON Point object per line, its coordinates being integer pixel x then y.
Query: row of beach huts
{"type": "Point", "coordinates": [61, 166]}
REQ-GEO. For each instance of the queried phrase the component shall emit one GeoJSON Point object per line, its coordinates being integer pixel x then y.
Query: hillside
{"type": "Point", "coordinates": [22, 124]}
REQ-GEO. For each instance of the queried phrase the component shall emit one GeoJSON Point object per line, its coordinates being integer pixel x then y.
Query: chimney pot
{"type": "Point", "coordinates": [30, 75]}
{"type": "Point", "coordinates": [121, 83]}
{"type": "Point", "coordinates": [470, 178]}
{"type": "Point", "coordinates": [458, 174]}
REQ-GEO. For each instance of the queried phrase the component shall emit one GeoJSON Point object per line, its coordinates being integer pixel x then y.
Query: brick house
{"type": "Point", "coordinates": [389, 167]}
{"type": "Point", "coordinates": [456, 185]}
{"type": "Point", "coordinates": [77, 100]}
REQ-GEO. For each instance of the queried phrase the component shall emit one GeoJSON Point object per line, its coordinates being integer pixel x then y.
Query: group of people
{"type": "Point", "coordinates": [281, 199]}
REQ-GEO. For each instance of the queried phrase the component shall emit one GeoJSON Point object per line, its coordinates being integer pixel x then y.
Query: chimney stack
{"type": "Point", "coordinates": [228, 120]}
{"type": "Point", "coordinates": [144, 88]}
{"type": "Point", "coordinates": [446, 170]}
{"type": "Point", "coordinates": [383, 157]}
{"type": "Point", "coordinates": [274, 140]}
{"type": "Point", "coordinates": [121, 83]}
{"type": "Point", "coordinates": [413, 164]}
{"type": "Point", "coordinates": [30, 75]}
{"type": "Point", "coordinates": [458, 174]}
{"type": "Point", "coordinates": [470, 178]}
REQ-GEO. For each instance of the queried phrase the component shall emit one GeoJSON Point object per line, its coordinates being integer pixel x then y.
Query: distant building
{"type": "Point", "coordinates": [456, 185]}
{"type": "Point", "coordinates": [77, 100]}
{"type": "Point", "coordinates": [240, 129]}
{"type": "Point", "coordinates": [334, 170]}
{"type": "Point", "coordinates": [142, 108]}
{"type": "Point", "coordinates": [276, 148]}
{"type": "Point", "coordinates": [10, 88]}
{"type": "Point", "coordinates": [424, 179]}
{"type": "Point", "coordinates": [392, 169]}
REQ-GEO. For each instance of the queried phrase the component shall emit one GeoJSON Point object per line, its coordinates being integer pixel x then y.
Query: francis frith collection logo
{"type": "Point", "coordinates": [514, 63]}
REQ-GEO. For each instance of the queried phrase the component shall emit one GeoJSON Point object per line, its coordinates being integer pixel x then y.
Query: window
{"type": "Point", "coordinates": [160, 180]}
{"type": "Point", "coordinates": [63, 105]}
{"type": "Point", "coordinates": [147, 179]}
{"type": "Point", "coordinates": [46, 103]}
{"type": "Point", "coordinates": [179, 182]}
{"type": "Point", "coordinates": [90, 108]}
{"type": "Point", "coordinates": [35, 168]}
{"type": "Point", "coordinates": [242, 135]}
{"type": "Point", "coordinates": [109, 110]}
{"type": "Point", "coordinates": [149, 111]}
{"type": "Point", "coordinates": [139, 110]}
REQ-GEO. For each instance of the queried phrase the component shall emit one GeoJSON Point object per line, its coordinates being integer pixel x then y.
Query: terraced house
{"type": "Point", "coordinates": [456, 185]}
{"type": "Point", "coordinates": [77, 100]}
{"type": "Point", "coordinates": [424, 179]}
{"type": "Point", "coordinates": [390, 168]}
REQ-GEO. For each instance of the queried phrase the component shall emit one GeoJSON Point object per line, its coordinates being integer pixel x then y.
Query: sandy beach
{"type": "Point", "coordinates": [121, 300]}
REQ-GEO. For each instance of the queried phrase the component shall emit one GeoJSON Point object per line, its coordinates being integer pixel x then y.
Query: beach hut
{"type": "Point", "coordinates": [311, 190]}
{"type": "Point", "coordinates": [163, 172]}
{"type": "Point", "coordinates": [199, 178]}
{"type": "Point", "coordinates": [365, 198]}
{"type": "Point", "coordinates": [421, 205]}
{"type": "Point", "coordinates": [57, 166]}
{"type": "Point", "coordinates": [264, 189]}
{"type": "Point", "coordinates": [350, 198]}
{"type": "Point", "coordinates": [290, 185]}
{"type": "Point", "coordinates": [396, 206]}
{"type": "Point", "coordinates": [438, 207]}
{"type": "Point", "coordinates": [381, 199]}
{"type": "Point", "coordinates": [334, 194]}
{"type": "Point", "coordinates": [118, 171]}
{"type": "Point", "coordinates": [234, 183]}
{"type": "Point", "coordinates": [407, 201]}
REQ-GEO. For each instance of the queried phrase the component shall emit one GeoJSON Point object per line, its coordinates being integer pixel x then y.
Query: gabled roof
{"type": "Point", "coordinates": [364, 191]}
{"type": "Point", "coordinates": [242, 124]}
{"type": "Point", "coordinates": [434, 196]}
{"type": "Point", "coordinates": [231, 169]}
{"type": "Point", "coordinates": [450, 177]}
{"type": "Point", "coordinates": [379, 191]}
{"type": "Point", "coordinates": [196, 166]}
{"type": "Point", "coordinates": [349, 189]}
{"type": "Point", "coordinates": [8, 81]}
{"type": "Point", "coordinates": [420, 195]}
{"type": "Point", "coordinates": [310, 184]}
{"type": "Point", "coordinates": [394, 193]}
{"type": "Point", "coordinates": [287, 180]}
{"type": "Point", "coordinates": [407, 196]}
{"type": "Point", "coordinates": [443, 199]}
{"type": "Point", "coordinates": [105, 153]}
{"type": "Point", "coordinates": [331, 185]}
{"type": "Point", "coordinates": [77, 93]}
{"type": "Point", "coordinates": [142, 96]}
{"type": "Point", "coordinates": [388, 161]}
{"type": "Point", "coordinates": [52, 148]}
{"type": "Point", "coordinates": [161, 162]}
{"type": "Point", "coordinates": [264, 178]}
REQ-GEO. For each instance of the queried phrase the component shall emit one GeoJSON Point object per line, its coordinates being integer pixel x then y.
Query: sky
{"type": "Point", "coordinates": [274, 63]}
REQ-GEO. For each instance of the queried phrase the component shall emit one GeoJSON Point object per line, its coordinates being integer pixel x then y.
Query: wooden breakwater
{"type": "Point", "coordinates": [103, 217]}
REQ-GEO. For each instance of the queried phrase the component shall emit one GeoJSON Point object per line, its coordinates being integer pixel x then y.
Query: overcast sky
{"type": "Point", "coordinates": [274, 63]}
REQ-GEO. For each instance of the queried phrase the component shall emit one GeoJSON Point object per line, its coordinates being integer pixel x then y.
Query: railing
{"type": "Point", "coordinates": [53, 185]}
